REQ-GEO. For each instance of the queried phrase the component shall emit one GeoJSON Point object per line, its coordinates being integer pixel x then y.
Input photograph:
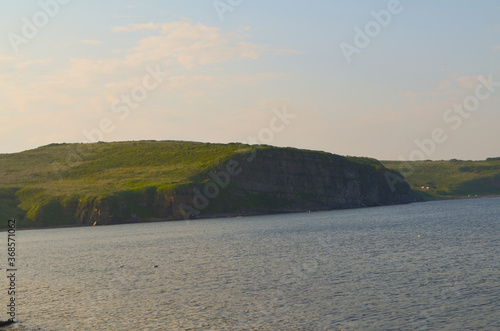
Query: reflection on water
{"type": "Point", "coordinates": [339, 270]}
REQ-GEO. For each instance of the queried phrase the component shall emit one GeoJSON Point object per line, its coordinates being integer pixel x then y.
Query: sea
{"type": "Point", "coordinates": [421, 266]}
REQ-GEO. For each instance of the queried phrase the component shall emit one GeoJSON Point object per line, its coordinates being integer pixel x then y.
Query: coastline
{"type": "Point", "coordinates": [249, 213]}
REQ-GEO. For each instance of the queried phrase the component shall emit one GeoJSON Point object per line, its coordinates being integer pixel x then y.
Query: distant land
{"type": "Point", "coordinates": [142, 181]}
{"type": "Point", "coordinates": [451, 179]}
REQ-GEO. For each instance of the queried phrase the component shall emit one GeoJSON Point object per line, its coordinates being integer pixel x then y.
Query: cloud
{"type": "Point", "coordinates": [453, 86]}
{"type": "Point", "coordinates": [428, 106]}
{"type": "Point", "coordinates": [91, 84]}
{"type": "Point", "coordinates": [135, 27]}
{"type": "Point", "coordinates": [92, 42]}
{"type": "Point", "coordinates": [497, 47]}
{"type": "Point", "coordinates": [457, 85]}
{"type": "Point", "coordinates": [253, 79]}
{"type": "Point", "coordinates": [469, 82]}
{"type": "Point", "coordinates": [190, 45]}
{"type": "Point", "coordinates": [33, 62]}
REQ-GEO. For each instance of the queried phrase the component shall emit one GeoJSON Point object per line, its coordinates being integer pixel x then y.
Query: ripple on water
{"type": "Point", "coordinates": [351, 269]}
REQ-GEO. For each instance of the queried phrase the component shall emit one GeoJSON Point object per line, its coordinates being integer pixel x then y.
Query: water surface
{"type": "Point", "coordinates": [431, 265]}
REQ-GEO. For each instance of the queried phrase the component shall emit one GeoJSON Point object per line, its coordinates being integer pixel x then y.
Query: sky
{"type": "Point", "coordinates": [393, 80]}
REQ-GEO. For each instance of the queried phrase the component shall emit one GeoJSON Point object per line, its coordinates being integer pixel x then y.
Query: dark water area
{"type": "Point", "coordinates": [422, 266]}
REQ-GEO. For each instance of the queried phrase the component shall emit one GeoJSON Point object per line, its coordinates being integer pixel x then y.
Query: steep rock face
{"type": "Point", "coordinates": [314, 180]}
{"type": "Point", "coordinates": [287, 180]}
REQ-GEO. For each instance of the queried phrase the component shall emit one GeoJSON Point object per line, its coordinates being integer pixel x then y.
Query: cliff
{"type": "Point", "coordinates": [110, 183]}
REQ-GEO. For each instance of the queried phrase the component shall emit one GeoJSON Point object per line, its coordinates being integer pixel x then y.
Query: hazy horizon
{"type": "Point", "coordinates": [392, 80]}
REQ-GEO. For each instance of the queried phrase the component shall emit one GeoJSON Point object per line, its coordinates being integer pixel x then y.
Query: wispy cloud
{"type": "Point", "coordinates": [469, 82]}
{"type": "Point", "coordinates": [136, 27]}
{"type": "Point", "coordinates": [453, 85]}
{"type": "Point", "coordinates": [194, 44]}
{"type": "Point", "coordinates": [92, 42]}
{"type": "Point", "coordinates": [33, 62]}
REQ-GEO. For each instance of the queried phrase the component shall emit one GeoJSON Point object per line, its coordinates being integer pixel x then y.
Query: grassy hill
{"type": "Point", "coordinates": [451, 179]}
{"type": "Point", "coordinates": [35, 179]}
{"type": "Point", "coordinates": [102, 183]}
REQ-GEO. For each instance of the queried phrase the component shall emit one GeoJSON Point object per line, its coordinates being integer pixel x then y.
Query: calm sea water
{"type": "Point", "coordinates": [432, 265]}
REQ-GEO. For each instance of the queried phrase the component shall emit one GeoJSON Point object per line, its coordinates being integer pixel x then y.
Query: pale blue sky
{"type": "Point", "coordinates": [227, 76]}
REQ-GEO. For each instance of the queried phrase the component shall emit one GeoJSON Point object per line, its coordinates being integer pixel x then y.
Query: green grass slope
{"type": "Point", "coordinates": [37, 182]}
{"type": "Point", "coordinates": [451, 179]}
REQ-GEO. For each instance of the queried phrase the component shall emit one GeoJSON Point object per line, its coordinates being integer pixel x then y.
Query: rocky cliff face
{"type": "Point", "coordinates": [276, 180]}
{"type": "Point", "coordinates": [313, 180]}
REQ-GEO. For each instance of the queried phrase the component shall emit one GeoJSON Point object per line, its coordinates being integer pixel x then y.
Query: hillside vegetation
{"type": "Point", "coordinates": [107, 183]}
{"type": "Point", "coordinates": [33, 183]}
{"type": "Point", "coordinates": [451, 179]}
